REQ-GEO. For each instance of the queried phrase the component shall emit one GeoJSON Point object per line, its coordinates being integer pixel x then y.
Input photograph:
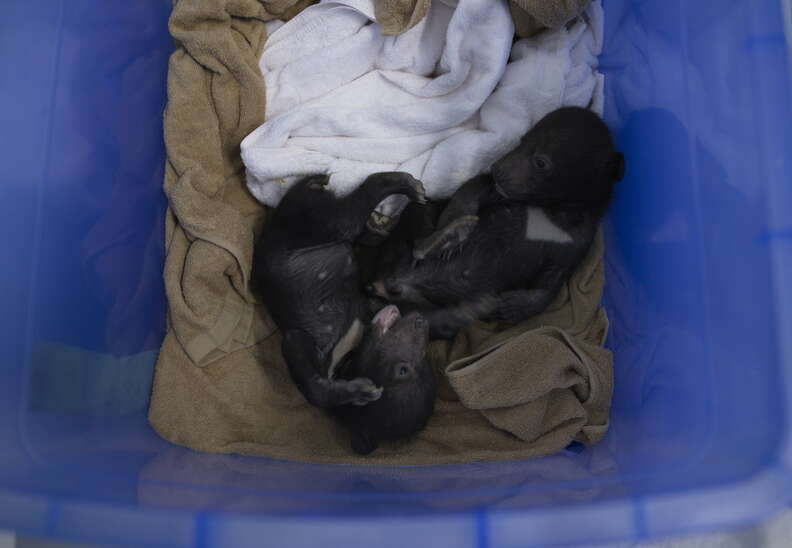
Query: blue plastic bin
{"type": "Point", "coordinates": [699, 256]}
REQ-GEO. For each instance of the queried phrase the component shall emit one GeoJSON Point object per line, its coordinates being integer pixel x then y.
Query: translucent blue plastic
{"type": "Point", "coordinates": [699, 255]}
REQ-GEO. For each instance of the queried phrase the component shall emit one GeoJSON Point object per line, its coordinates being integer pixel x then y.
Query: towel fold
{"type": "Point", "coordinates": [349, 101]}
{"type": "Point", "coordinates": [398, 16]}
{"type": "Point", "coordinates": [532, 16]}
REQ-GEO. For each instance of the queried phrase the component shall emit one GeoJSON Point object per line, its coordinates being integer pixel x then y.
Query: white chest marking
{"type": "Point", "coordinates": [538, 226]}
{"type": "Point", "coordinates": [345, 344]}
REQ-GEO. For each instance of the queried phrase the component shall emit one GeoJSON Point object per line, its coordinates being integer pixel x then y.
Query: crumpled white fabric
{"type": "Point", "coordinates": [442, 101]}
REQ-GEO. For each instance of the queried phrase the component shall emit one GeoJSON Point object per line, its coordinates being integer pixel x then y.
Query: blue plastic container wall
{"type": "Point", "coordinates": [699, 247]}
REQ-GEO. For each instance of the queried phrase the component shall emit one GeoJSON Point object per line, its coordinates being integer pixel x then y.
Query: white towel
{"type": "Point", "coordinates": [344, 100]}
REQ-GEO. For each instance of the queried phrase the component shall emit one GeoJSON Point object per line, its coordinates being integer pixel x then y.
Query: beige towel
{"type": "Point", "coordinates": [531, 16]}
{"type": "Point", "coordinates": [215, 98]}
{"type": "Point", "coordinates": [398, 16]}
{"type": "Point", "coordinates": [221, 384]}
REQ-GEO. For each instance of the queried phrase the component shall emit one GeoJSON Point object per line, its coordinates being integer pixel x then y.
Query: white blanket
{"type": "Point", "coordinates": [442, 101]}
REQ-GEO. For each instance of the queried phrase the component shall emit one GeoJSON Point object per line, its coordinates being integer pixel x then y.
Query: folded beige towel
{"type": "Point", "coordinates": [221, 384]}
{"type": "Point", "coordinates": [398, 16]}
{"type": "Point", "coordinates": [531, 16]}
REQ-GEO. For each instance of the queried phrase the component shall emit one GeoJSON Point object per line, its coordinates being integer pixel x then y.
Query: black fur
{"type": "Point", "coordinates": [563, 169]}
{"type": "Point", "coordinates": [398, 361]}
{"type": "Point", "coordinates": [305, 272]}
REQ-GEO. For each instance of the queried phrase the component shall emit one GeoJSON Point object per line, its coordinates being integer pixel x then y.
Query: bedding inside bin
{"type": "Point", "coordinates": [221, 384]}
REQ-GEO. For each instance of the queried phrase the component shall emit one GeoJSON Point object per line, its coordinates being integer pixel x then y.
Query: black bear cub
{"type": "Point", "coordinates": [371, 372]}
{"type": "Point", "coordinates": [514, 235]}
